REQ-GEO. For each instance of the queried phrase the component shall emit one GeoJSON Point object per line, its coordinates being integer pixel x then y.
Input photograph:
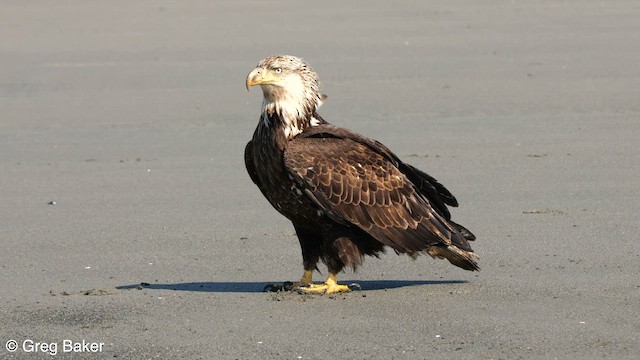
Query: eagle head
{"type": "Point", "coordinates": [290, 88]}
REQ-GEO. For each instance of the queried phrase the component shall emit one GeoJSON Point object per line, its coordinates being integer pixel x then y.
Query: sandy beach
{"type": "Point", "coordinates": [127, 217]}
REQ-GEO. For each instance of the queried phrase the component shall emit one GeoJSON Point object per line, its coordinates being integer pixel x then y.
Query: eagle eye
{"type": "Point", "coordinates": [278, 70]}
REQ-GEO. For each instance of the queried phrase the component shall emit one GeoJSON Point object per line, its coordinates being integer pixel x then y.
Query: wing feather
{"type": "Point", "coordinates": [365, 188]}
{"type": "Point", "coordinates": [438, 195]}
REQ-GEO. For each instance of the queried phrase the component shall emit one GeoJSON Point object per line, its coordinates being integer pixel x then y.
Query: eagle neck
{"type": "Point", "coordinates": [286, 119]}
{"type": "Point", "coordinates": [271, 131]}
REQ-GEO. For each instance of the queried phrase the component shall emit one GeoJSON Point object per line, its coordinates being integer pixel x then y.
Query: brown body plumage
{"type": "Point", "coordinates": [346, 195]}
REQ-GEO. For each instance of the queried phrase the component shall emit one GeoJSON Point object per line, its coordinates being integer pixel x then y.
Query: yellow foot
{"type": "Point", "coordinates": [326, 288]}
{"type": "Point", "coordinates": [330, 286]}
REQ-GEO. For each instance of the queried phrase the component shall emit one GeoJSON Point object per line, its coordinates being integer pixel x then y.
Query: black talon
{"type": "Point", "coordinates": [288, 286]}
{"type": "Point", "coordinates": [273, 288]}
{"type": "Point", "coordinates": [354, 286]}
{"type": "Point", "coordinates": [299, 291]}
{"type": "Point", "coordinates": [285, 286]}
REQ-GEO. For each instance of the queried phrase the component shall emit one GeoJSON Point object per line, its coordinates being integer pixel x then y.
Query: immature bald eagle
{"type": "Point", "coordinates": [346, 195]}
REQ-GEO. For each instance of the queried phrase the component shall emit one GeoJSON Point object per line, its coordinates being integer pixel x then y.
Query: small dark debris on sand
{"type": "Point", "coordinates": [91, 292]}
{"type": "Point", "coordinates": [544, 212]}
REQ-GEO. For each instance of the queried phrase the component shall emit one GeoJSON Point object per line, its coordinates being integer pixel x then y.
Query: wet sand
{"type": "Point", "coordinates": [132, 118]}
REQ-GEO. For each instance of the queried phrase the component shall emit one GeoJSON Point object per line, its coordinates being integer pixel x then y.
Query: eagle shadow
{"type": "Point", "coordinates": [255, 287]}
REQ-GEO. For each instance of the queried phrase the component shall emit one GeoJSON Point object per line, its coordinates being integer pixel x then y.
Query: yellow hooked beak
{"type": "Point", "coordinates": [261, 76]}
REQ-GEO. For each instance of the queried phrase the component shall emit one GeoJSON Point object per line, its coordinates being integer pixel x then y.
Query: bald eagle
{"type": "Point", "coordinates": [347, 195]}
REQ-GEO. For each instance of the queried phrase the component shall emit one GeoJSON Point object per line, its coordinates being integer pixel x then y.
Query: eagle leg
{"type": "Point", "coordinates": [330, 286]}
{"type": "Point", "coordinates": [306, 279]}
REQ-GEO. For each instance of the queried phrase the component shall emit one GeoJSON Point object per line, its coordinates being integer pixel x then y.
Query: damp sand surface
{"type": "Point", "coordinates": [127, 217]}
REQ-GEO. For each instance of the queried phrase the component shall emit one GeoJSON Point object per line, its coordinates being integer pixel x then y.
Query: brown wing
{"type": "Point", "coordinates": [438, 196]}
{"type": "Point", "coordinates": [365, 188]}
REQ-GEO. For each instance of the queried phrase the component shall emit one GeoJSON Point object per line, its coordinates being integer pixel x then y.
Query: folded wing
{"type": "Point", "coordinates": [357, 185]}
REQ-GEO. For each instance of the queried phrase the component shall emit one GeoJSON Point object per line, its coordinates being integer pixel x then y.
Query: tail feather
{"type": "Point", "coordinates": [468, 235]}
{"type": "Point", "coordinates": [456, 256]}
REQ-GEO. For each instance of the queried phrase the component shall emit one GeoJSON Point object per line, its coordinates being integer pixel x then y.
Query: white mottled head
{"type": "Point", "coordinates": [291, 91]}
